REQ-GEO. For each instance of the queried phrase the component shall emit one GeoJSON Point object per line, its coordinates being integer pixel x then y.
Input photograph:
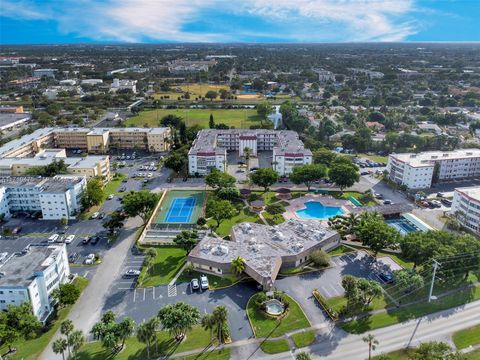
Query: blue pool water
{"type": "Point", "coordinates": [315, 210]}
{"type": "Point", "coordinates": [402, 225]}
{"type": "Point", "coordinates": [180, 210]}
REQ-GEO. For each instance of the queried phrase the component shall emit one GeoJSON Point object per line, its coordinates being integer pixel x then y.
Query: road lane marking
{"type": "Point", "coordinates": [153, 287]}
{"type": "Point", "coordinates": [144, 290]}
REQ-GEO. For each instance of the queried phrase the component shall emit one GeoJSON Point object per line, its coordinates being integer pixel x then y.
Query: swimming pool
{"type": "Point", "coordinates": [180, 210]}
{"type": "Point", "coordinates": [315, 210]}
{"type": "Point", "coordinates": [402, 225]}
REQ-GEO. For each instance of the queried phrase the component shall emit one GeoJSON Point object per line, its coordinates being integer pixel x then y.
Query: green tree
{"type": "Point", "coordinates": [211, 122]}
{"type": "Point", "coordinates": [125, 329]}
{"type": "Point", "coordinates": [263, 110]}
{"type": "Point", "coordinates": [64, 221]}
{"type": "Point", "coordinates": [18, 322]}
{"type": "Point", "coordinates": [303, 356]}
{"type": "Point", "coordinates": [343, 175]}
{"type": "Point", "coordinates": [372, 344]}
{"type": "Point", "coordinates": [408, 280]}
{"type": "Point", "coordinates": [186, 239]}
{"type": "Point", "coordinates": [377, 235]}
{"type": "Point", "coordinates": [116, 221]}
{"type": "Point", "coordinates": [59, 346]}
{"type": "Point", "coordinates": [171, 120]}
{"type": "Point", "coordinates": [66, 328]}
{"type": "Point", "coordinates": [320, 258]}
{"type": "Point", "coordinates": [140, 203]}
{"type": "Point", "coordinates": [307, 174]}
{"type": "Point", "coordinates": [275, 208]}
{"type": "Point", "coordinates": [228, 193]}
{"type": "Point", "coordinates": [177, 161]}
{"type": "Point", "coordinates": [418, 247]}
{"type": "Point", "coordinates": [238, 265]}
{"type": "Point", "coordinates": [217, 323]}
{"type": "Point", "coordinates": [66, 294]}
{"type": "Point", "coordinates": [217, 179]}
{"type": "Point", "coordinates": [323, 156]}
{"type": "Point", "coordinates": [146, 334]}
{"type": "Point", "coordinates": [178, 318]}
{"type": "Point", "coordinates": [211, 94]}
{"type": "Point", "coordinates": [220, 210]}
{"type": "Point", "coordinates": [77, 340]}
{"type": "Point", "coordinates": [434, 351]}
{"type": "Point", "coordinates": [93, 194]}
{"type": "Point", "coordinates": [247, 154]}
{"type": "Point", "coordinates": [264, 178]}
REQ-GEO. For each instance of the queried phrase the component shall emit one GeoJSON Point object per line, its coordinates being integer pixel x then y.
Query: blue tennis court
{"type": "Point", "coordinates": [180, 210]}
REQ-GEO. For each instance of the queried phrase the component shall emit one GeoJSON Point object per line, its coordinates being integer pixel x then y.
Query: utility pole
{"type": "Point", "coordinates": [436, 264]}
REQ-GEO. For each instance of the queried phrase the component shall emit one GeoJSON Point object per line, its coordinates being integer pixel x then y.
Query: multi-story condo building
{"type": "Point", "coordinates": [94, 140]}
{"type": "Point", "coordinates": [209, 150]}
{"type": "Point", "coordinates": [56, 197]}
{"type": "Point", "coordinates": [466, 207]}
{"type": "Point", "coordinates": [418, 171]}
{"type": "Point", "coordinates": [33, 276]}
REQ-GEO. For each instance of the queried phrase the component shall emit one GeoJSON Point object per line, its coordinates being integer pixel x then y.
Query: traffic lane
{"type": "Point", "coordinates": [143, 303]}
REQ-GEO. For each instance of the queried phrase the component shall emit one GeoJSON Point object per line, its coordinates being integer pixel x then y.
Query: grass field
{"type": "Point", "coordinates": [340, 250]}
{"type": "Point", "coordinates": [239, 118]}
{"type": "Point", "coordinates": [168, 262]}
{"type": "Point", "coordinates": [264, 326]}
{"type": "Point", "coordinates": [109, 189]}
{"type": "Point", "coordinates": [171, 195]}
{"type": "Point", "coordinates": [244, 216]}
{"type": "Point", "coordinates": [467, 337]}
{"type": "Point", "coordinates": [135, 350]}
{"type": "Point", "coordinates": [274, 346]}
{"type": "Point", "coordinates": [31, 349]}
{"type": "Point", "coordinates": [304, 338]}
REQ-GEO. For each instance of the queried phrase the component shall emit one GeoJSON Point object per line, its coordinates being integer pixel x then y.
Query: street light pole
{"type": "Point", "coordinates": [436, 264]}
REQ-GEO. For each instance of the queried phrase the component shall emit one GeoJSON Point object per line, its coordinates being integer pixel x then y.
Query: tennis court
{"type": "Point", "coordinates": [181, 207]}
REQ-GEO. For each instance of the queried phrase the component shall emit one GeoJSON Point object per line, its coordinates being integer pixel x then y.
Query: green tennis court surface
{"type": "Point", "coordinates": [181, 207]}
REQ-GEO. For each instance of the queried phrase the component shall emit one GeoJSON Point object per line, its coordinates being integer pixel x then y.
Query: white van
{"type": "Point", "coordinates": [53, 238]}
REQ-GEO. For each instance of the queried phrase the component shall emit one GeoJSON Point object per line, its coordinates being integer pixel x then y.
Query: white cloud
{"type": "Point", "coordinates": [300, 20]}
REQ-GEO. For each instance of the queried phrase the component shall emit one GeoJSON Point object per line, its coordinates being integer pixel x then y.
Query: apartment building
{"type": "Point", "coordinates": [33, 276]}
{"type": "Point", "coordinates": [466, 206]}
{"type": "Point", "coordinates": [118, 84]}
{"type": "Point", "coordinates": [209, 150]}
{"type": "Point", "coordinates": [91, 140]}
{"type": "Point", "coordinates": [417, 171]}
{"type": "Point", "coordinates": [56, 197]}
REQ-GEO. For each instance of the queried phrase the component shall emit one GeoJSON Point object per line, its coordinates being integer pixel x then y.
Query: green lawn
{"type": "Point", "coordinates": [340, 250]}
{"type": "Point", "coordinates": [396, 355]}
{"type": "Point", "coordinates": [376, 158]}
{"type": "Point", "coordinates": [135, 350]}
{"type": "Point", "coordinates": [223, 354]}
{"type": "Point", "coordinates": [304, 338]}
{"type": "Point", "coordinates": [239, 118]}
{"type": "Point", "coordinates": [395, 316]}
{"type": "Point", "coordinates": [273, 219]}
{"type": "Point", "coordinates": [31, 349]}
{"type": "Point", "coordinates": [339, 302]}
{"type": "Point", "coordinates": [244, 216]}
{"type": "Point", "coordinates": [168, 262]}
{"type": "Point", "coordinates": [109, 189]}
{"type": "Point", "coordinates": [215, 282]}
{"type": "Point", "coordinates": [274, 346]}
{"type": "Point", "coordinates": [467, 337]}
{"type": "Point", "coordinates": [474, 355]}
{"type": "Point", "coordinates": [264, 326]}
{"type": "Point", "coordinates": [347, 194]}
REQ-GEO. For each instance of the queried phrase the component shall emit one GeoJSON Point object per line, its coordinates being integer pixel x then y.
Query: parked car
{"type": "Point", "coordinates": [53, 238]}
{"type": "Point", "coordinates": [85, 240]}
{"type": "Point", "coordinates": [131, 273]}
{"type": "Point", "coordinates": [387, 202]}
{"type": "Point", "coordinates": [446, 202]}
{"type": "Point", "coordinates": [95, 215]}
{"type": "Point", "coordinates": [63, 230]}
{"type": "Point", "coordinates": [386, 277]}
{"type": "Point", "coordinates": [101, 215]}
{"type": "Point", "coordinates": [73, 257]}
{"type": "Point", "coordinates": [3, 256]}
{"type": "Point", "coordinates": [378, 196]}
{"type": "Point", "coordinates": [110, 197]}
{"type": "Point", "coordinates": [122, 189]}
{"type": "Point", "coordinates": [89, 259]}
{"type": "Point", "coordinates": [94, 240]}
{"type": "Point", "coordinates": [204, 282]}
{"type": "Point", "coordinates": [194, 284]}
{"type": "Point", "coordinates": [69, 239]}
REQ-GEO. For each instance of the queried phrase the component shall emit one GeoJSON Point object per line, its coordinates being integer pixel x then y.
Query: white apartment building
{"type": "Point", "coordinates": [325, 75]}
{"type": "Point", "coordinates": [417, 171]}
{"type": "Point", "coordinates": [33, 276]}
{"type": "Point", "coordinates": [56, 198]}
{"type": "Point", "coordinates": [466, 203]}
{"type": "Point", "coordinates": [124, 85]}
{"type": "Point", "coordinates": [44, 72]}
{"type": "Point", "coordinates": [209, 150]}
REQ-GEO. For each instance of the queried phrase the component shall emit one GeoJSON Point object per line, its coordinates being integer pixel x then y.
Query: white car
{"type": "Point", "coordinates": [89, 259]}
{"type": "Point", "coordinates": [110, 197]}
{"type": "Point", "coordinates": [204, 282]}
{"type": "Point", "coordinates": [150, 175]}
{"type": "Point", "coordinates": [95, 215]}
{"type": "Point", "coordinates": [53, 238]}
{"type": "Point", "coordinates": [69, 239]}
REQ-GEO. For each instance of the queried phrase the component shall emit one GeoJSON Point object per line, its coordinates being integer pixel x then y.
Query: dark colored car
{"type": "Point", "coordinates": [102, 215]}
{"type": "Point", "coordinates": [73, 257]}
{"type": "Point", "coordinates": [386, 277]}
{"type": "Point", "coordinates": [95, 240]}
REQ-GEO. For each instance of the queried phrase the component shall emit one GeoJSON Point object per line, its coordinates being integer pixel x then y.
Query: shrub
{"type": "Point", "coordinates": [303, 356]}
{"type": "Point", "coordinates": [275, 209]}
{"type": "Point", "coordinates": [320, 258]}
{"type": "Point", "coordinates": [228, 193]}
{"type": "Point", "coordinates": [254, 196]}
{"type": "Point", "coordinates": [201, 221]}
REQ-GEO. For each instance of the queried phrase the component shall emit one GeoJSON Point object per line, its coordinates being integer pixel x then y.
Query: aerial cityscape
{"type": "Point", "coordinates": [267, 180]}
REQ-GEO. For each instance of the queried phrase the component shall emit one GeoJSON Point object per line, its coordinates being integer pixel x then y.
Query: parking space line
{"type": "Point", "coordinates": [134, 294]}
{"type": "Point", "coordinates": [153, 287]}
{"type": "Point", "coordinates": [326, 291]}
{"type": "Point", "coordinates": [144, 294]}
{"type": "Point", "coordinates": [334, 289]}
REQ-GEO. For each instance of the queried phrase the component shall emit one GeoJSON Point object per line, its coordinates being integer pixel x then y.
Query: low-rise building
{"type": "Point", "coordinates": [56, 197]}
{"type": "Point", "coordinates": [9, 121]}
{"type": "Point", "coordinates": [209, 150]}
{"type": "Point", "coordinates": [466, 207]}
{"type": "Point", "coordinates": [418, 171]}
{"type": "Point", "coordinates": [44, 72]}
{"type": "Point", "coordinates": [33, 276]}
{"type": "Point", "coordinates": [325, 75]}
{"type": "Point", "coordinates": [264, 249]}
{"type": "Point", "coordinates": [124, 85]}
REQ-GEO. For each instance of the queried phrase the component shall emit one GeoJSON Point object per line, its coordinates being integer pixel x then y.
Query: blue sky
{"type": "Point", "coordinates": [155, 21]}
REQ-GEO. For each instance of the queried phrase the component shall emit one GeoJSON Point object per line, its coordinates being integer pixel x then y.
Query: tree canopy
{"type": "Point", "coordinates": [93, 194]}
{"type": "Point", "coordinates": [140, 203]}
{"type": "Point", "coordinates": [307, 174]}
{"type": "Point", "coordinates": [220, 210]}
{"type": "Point", "coordinates": [264, 177]}
{"type": "Point", "coordinates": [343, 175]}
{"type": "Point", "coordinates": [218, 179]}
{"type": "Point", "coordinates": [178, 318]}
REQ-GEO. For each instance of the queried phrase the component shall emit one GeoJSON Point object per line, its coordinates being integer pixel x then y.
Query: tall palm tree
{"type": "Point", "coordinates": [238, 265]}
{"type": "Point", "coordinates": [66, 328]}
{"type": "Point", "coordinates": [146, 335]}
{"type": "Point", "coordinates": [59, 346]}
{"type": "Point", "coordinates": [247, 153]}
{"type": "Point", "coordinates": [125, 329]}
{"type": "Point", "coordinates": [216, 322]}
{"type": "Point", "coordinates": [154, 324]}
{"type": "Point", "coordinates": [77, 339]}
{"type": "Point", "coordinates": [372, 344]}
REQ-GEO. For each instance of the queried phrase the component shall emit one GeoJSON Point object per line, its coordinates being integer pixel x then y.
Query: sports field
{"type": "Point", "coordinates": [240, 118]}
{"type": "Point", "coordinates": [181, 207]}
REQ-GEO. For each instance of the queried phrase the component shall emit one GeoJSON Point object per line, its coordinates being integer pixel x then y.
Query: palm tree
{"type": "Point", "coordinates": [219, 323]}
{"type": "Point", "coordinates": [154, 324]}
{"type": "Point", "coordinates": [77, 339]}
{"type": "Point", "coordinates": [178, 318]}
{"type": "Point", "coordinates": [146, 334]}
{"type": "Point", "coordinates": [66, 327]}
{"type": "Point", "coordinates": [238, 265]}
{"type": "Point", "coordinates": [59, 346]}
{"type": "Point", "coordinates": [247, 153]}
{"type": "Point", "coordinates": [125, 329]}
{"type": "Point", "coordinates": [372, 344]}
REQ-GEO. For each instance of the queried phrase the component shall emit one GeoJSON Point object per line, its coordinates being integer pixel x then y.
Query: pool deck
{"type": "Point", "coordinates": [325, 200]}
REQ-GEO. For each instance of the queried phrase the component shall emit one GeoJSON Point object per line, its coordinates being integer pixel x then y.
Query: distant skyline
{"type": "Point", "coordinates": [253, 21]}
